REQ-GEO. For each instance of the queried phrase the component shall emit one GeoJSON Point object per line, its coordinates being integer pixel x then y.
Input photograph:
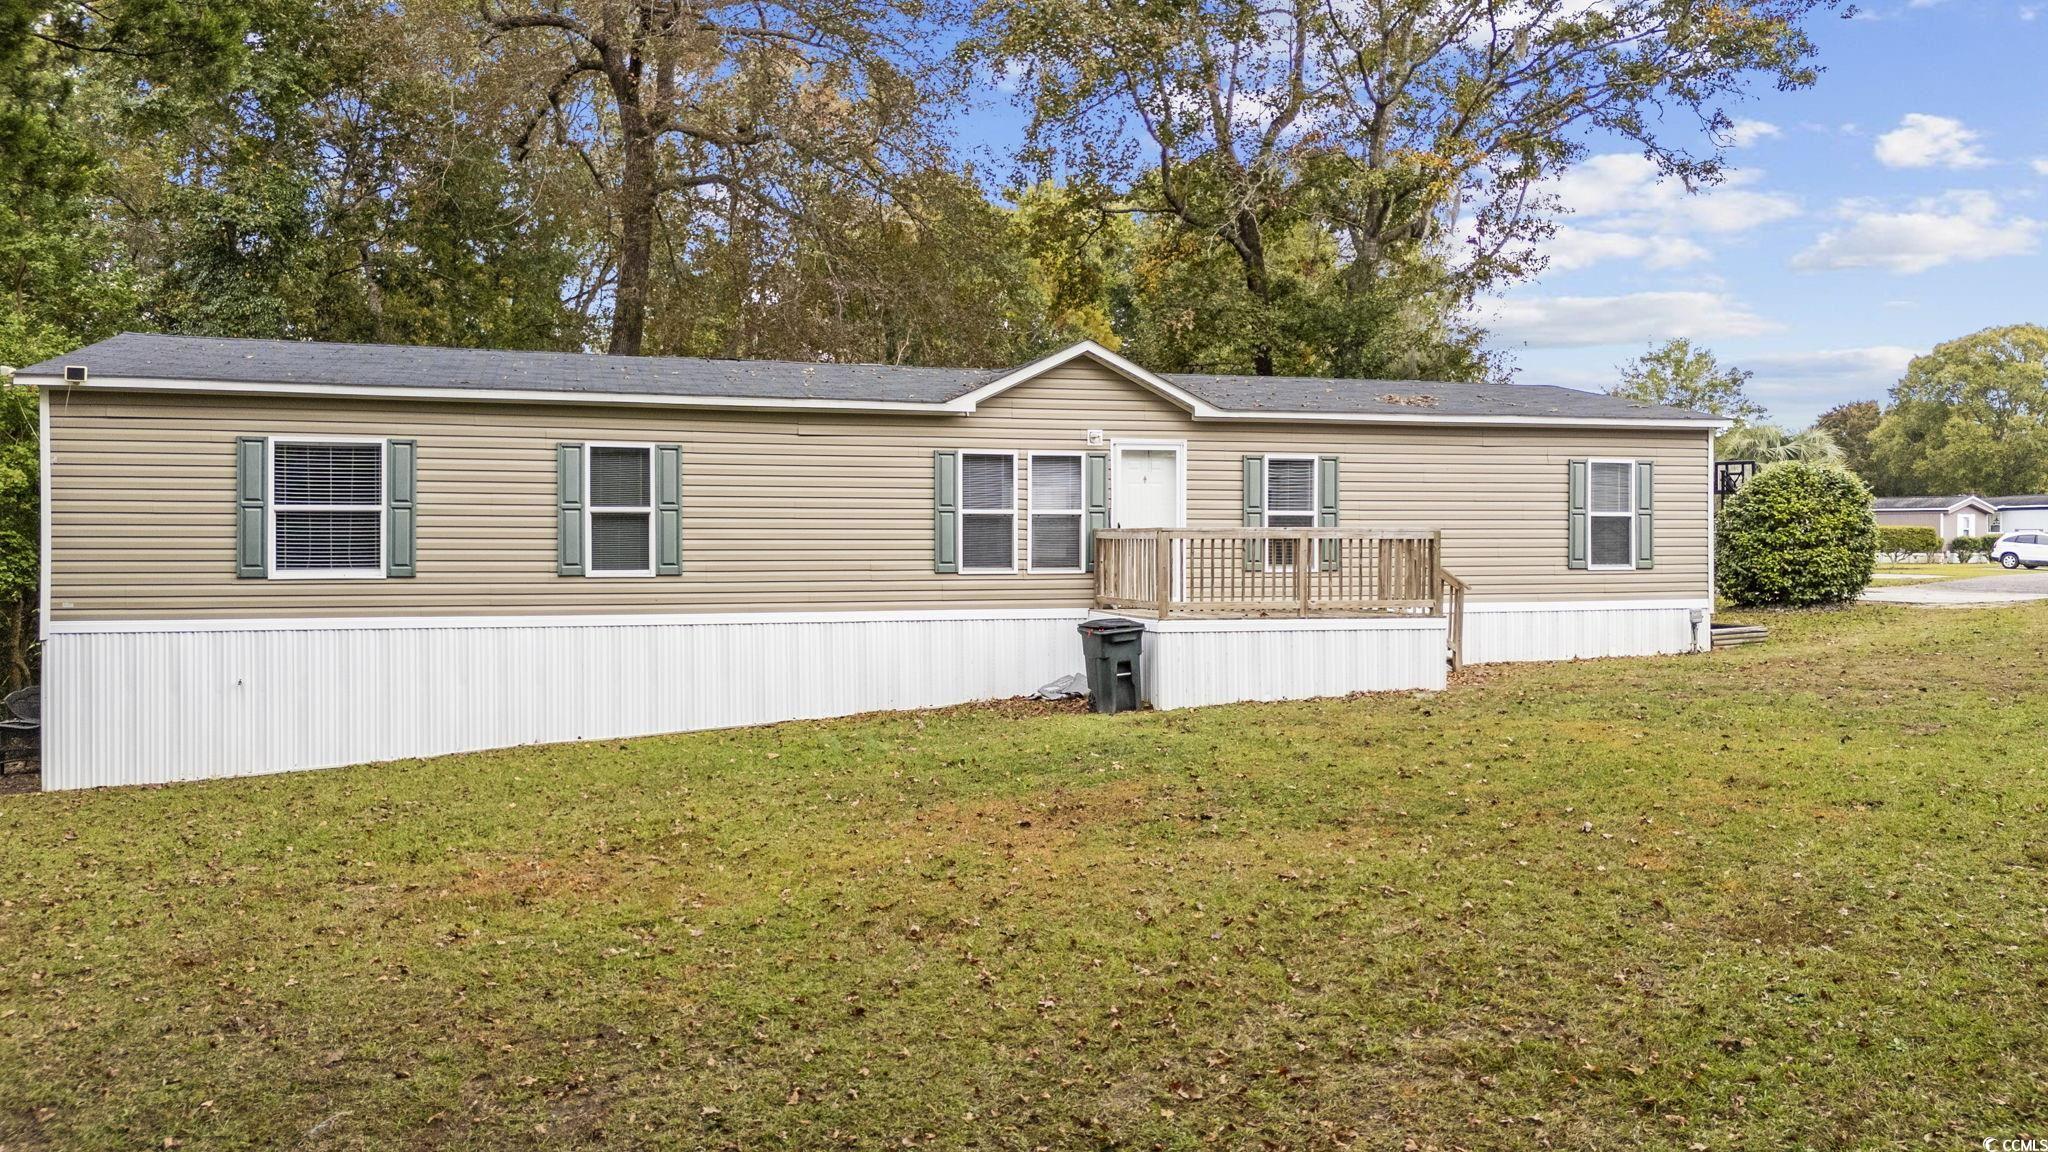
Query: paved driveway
{"type": "Point", "coordinates": [2015, 587]}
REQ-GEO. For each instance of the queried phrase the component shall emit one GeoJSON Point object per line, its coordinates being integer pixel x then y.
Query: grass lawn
{"type": "Point", "coordinates": [1924, 573]}
{"type": "Point", "coordinates": [1783, 896]}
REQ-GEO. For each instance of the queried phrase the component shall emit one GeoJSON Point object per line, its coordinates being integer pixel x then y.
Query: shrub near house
{"type": "Point", "coordinates": [1894, 539]}
{"type": "Point", "coordinates": [1796, 535]}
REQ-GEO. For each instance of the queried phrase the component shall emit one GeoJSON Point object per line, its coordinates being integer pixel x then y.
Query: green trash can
{"type": "Point", "coordinates": [1114, 649]}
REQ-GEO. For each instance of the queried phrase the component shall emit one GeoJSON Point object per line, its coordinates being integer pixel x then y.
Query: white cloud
{"type": "Point", "coordinates": [1574, 248]}
{"type": "Point", "coordinates": [1923, 141]}
{"type": "Point", "coordinates": [1621, 210]}
{"type": "Point", "coordinates": [1877, 361]}
{"type": "Point", "coordinates": [1624, 191]}
{"type": "Point", "coordinates": [1639, 317]}
{"type": "Point", "coordinates": [2040, 165]}
{"type": "Point", "coordinates": [1953, 228]}
{"type": "Point", "coordinates": [1797, 386]}
{"type": "Point", "coordinates": [1744, 133]}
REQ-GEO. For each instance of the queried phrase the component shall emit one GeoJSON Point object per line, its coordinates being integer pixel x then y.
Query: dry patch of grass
{"type": "Point", "coordinates": [1789, 895]}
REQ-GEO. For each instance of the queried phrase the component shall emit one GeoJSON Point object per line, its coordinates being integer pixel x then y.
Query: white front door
{"type": "Point", "coordinates": [1147, 488]}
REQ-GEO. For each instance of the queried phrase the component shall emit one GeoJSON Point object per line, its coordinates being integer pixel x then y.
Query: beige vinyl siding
{"type": "Point", "coordinates": [795, 511]}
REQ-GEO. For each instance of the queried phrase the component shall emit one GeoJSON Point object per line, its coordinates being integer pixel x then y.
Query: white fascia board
{"type": "Point", "coordinates": [493, 395]}
{"type": "Point", "coordinates": [958, 406]}
{"type": "Point", "coordinates": [1426, 420]}
{"type": "Point", "coordinates": [1645, 604]}
{"type": "Point", "coordinates": [561, 620]}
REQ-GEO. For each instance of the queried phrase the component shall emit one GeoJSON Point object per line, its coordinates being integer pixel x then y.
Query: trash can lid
{"type": "Point", "coordinates": [1111, 626]}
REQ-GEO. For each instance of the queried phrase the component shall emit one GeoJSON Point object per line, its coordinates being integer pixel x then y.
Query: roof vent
{"type": "Point", "coordinates": [74, 373]}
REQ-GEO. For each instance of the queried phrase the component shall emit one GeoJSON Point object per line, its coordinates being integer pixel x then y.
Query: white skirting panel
{"type": "Point", "coordinates": [1191, 663]}
{"type": "Point", "coordinates": [240, 698]}
{"type": "Point", "coordinates": [1563, 630]}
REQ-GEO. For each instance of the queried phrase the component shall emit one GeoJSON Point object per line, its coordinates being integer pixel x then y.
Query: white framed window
{"type": "Point", "coordinates": [1611, 514]}
{"type": "Point", "coordinates": [988, 511]}
{"type": "Point", "coordinates": [1290, 502]}
{"type": "Point", "coordinates": [326, 507]}
{"type": "Point", "coordinates": [1966, 524]}
{"type": "Point", "coordinates": [618, 503]}
{"type": "Point", "coordinates": [1057, 508]}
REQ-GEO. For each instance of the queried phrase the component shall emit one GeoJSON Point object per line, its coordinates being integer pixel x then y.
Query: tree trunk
{"type": "Point", "coordinates": [636, 239]}
{"type": "Point", "coordinates": [1251, 252]}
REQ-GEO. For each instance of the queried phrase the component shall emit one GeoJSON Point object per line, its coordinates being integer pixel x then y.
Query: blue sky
{"type": "Point", "coordinates": [1901, 201]}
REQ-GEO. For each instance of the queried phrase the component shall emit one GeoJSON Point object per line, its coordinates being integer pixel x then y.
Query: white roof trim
{"type": "Point", "coordinates": [486, 395]}
{"type": "Point", "coordinates": [958, 406]}
{"type": "Point", "coordinates": [1108, 359]}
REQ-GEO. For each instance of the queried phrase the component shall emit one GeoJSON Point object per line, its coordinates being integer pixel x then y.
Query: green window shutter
{"type": "Point", "coordinates": [1326, 509]}
{"type": "Point", "coordinates": [668, 510]}
{"type": "Point", "coordinates": [945, 512]}
{"type": "Point", "coordinates": [568, 509]}
{"type": "Point", "coordinates": [1646, 519]}
{"type": "Point", "coordinates": [1254, 510]}
{"type": "Point", "coordinates": [252, 511]}
{"type": "Point", "coordinates": [1576, 528]}
{"type": "Point", "coordinates": [401, 511]}
{"type": "Point", "coordinates": [1095, 499]}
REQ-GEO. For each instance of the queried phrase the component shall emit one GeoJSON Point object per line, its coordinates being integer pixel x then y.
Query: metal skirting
{"type": "Point", "coordinates": [154, 702]}
{"type": "Point", "coordinates": [1503, 633]}
{"type": "Point", "coordinates": [1223, 662]}
{"type": "Point", "coordinates": [146, 707]}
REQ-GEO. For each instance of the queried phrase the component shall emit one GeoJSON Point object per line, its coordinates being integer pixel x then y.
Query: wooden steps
{"type": "Point", "coordinates": [1735, 635]}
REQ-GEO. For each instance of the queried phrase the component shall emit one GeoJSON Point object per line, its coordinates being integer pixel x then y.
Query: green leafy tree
{"type": "Point", "coordinates": [1418, 135]}
{"type": "Point", "coordinates": [1796, 535]}
{"type": "Point", "coordinates": [1851, 426]}
{"type": "Point", "coordinates": [1969, 416]}
{"type": "Point", "coordinates": [1680, 375]}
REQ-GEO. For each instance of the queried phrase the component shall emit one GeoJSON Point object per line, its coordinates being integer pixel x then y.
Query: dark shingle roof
{"type": "Point", "coordinates": [396, 366]}
{"type": "Point", "coordinates": [1918, 503]}
{"type": "Point", "coordinates": [2037, 500]}
{"type": "Point", "coordinates": [1311, 394]}
{"type": "Point", "coordinates": [285, 362]}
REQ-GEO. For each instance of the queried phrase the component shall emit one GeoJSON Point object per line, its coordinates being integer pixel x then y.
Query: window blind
{"type": "Point", "coordinates": [328, 506]}
{"type": "Point", "coordinates": [988, 512]}
{"type": "Point", "coordinates": [620, 477]}
{"type": "Point", "coordinates": [987, 482]}
{"type": "Point", "coordinates": [1056, 511]}
{"type": "Point", "coordinates": [618, 541]}
{"type": "Point", "coordinates": [1611, 531]}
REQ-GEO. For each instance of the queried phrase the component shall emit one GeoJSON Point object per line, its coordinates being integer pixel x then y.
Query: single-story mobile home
{"type": "Point", "coordinates": [263, 556]}
{"type": "Point", "coordinates": [2027, 513]}
{"type": "Point", "coordinates": [1949, 516]}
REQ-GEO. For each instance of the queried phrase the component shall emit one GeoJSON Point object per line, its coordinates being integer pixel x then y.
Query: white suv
{"type": "Point", "coordinates": [2016, 548]}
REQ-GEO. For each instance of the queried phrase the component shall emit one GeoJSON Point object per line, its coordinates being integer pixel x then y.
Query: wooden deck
{"type": "Point", "coordinates": [1170, 573]}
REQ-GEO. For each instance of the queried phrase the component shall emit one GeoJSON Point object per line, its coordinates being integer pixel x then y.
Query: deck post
{"type": "Point", "coordinates": [1436, 568]}
{"type": "Point", "coordinates": [1304, 547]}
{"type": "Point", "coordinates": [1164, 543]}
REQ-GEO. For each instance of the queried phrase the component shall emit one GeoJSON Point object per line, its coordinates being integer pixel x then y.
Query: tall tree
{"type": "Point", "coordinates": [1851, 426]}
{"type": "Point", "coordinates": [715, 106]}
{"type": "Point", "coordinates": [1682, 376]}
{"type": "Point", "coordinates": [1969, 416]}
{"type": "Point", "coordinates": [1386, 121]}
{"type": "Point", "coordinates": [1772, 444]}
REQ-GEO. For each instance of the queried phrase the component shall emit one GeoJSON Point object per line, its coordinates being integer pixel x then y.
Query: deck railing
{"type": "Point", "coordinates": [1170, 572]}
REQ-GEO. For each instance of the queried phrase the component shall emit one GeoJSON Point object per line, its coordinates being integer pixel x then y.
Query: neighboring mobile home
{"type": "Point", "coordinates": [1949, 516]}
{"type": "Point", "coordinates": [262, 556]}
{"type": "Point", "coordinates": [2021, 513]}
